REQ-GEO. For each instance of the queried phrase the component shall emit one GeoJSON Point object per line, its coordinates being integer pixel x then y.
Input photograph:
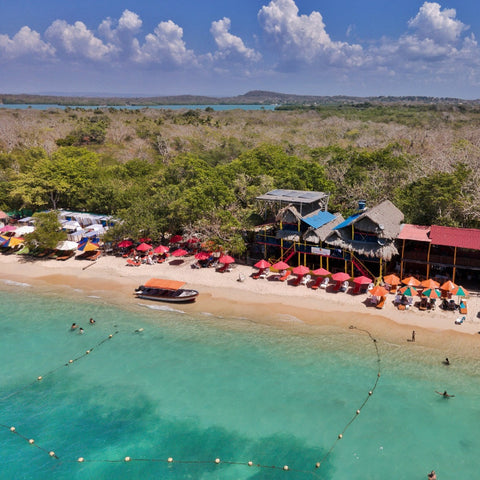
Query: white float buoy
{"type": "Point", "coordinates": [169, 459]}
{"type": "Point", "coordinates": [31, 441]}
{"type": "Point", "coordinates": [358, 412]}
{"type": "Point", "coordinates": [70, 361]}
{"type": "Point", "coordinates": [12, 429]}
{"type": "Point", "coordinates": [250, 463]}
{"type": "Point", "coordinates": [340, 436]}
{"type": "Point", "coordinates": [317, 465]}
{"type": "Point", "coordinates": [217, 460]}
{"type": "Point", "coordinates": [127, 459]}
{"type": "Point", "coordinates": [81, 459]}
{"type": "Point", "coordinates": [285, 467]}
{"type": "Point", "coordinates": [52, 453]}
{"type": "Point", "coordinates": [370, 392]}
{"type": "Point", "coordinates": [39, 378]}
{"type": "Point", "coordinates": [110, 336]}
{"type": "Point", "coordinates": [87, 352]}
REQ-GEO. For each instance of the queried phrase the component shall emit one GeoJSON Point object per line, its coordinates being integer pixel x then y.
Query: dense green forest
{"type": "Point", "coordinates": [199, 171]}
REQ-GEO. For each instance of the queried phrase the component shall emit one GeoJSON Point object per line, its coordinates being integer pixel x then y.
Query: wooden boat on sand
{"type": "Point", "coordinates": [166, 291]}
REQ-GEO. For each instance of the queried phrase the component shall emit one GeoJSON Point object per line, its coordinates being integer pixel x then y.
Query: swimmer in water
{"type": "Point", "coordinates": [445, 394]}
{"type": "Point", "coordinates": [81, 330]}
{"type": "Point", "coordinates": [74, 326]}
{"type": "Point", "coordinates": [92, 321]}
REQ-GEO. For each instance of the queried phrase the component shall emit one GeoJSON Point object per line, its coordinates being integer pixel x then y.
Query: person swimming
{"type": "Point", "coordinates": [74, 326]}
{"type": "Point", "coordinates": [91, 321]}
{"type": "Point", "coordinates": [81, 330]}
{"type": "Point", "coordinates": [444, 394]}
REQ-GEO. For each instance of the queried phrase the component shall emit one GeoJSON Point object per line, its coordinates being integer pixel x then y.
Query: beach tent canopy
{"type": "Point", "coordinates": [143, 247]}
{"type": "Point", "coordinates": [164, 284]}
{"type": "Point", "coordinates": [67, 245]}
{"type": "Point", "coordinates": [24, 230]}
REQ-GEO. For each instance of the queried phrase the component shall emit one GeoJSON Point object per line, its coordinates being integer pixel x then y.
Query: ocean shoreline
{"type": "Point", "coordinates": [263, 301]}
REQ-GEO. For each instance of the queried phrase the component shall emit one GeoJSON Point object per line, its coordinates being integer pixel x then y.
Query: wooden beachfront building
{"type": "Point", "coordinates": [305, 232]}
{"type": "Point", "coordinates": [442, 252]}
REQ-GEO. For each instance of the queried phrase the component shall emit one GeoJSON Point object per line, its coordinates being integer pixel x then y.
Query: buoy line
{"type": "Point", "coordinates": [70, 362]}
{"type": "Point", "coordinates": [216, 461]}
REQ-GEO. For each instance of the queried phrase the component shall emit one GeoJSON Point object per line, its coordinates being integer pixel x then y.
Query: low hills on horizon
{"type": "Point", "coordinates": [254, 97]}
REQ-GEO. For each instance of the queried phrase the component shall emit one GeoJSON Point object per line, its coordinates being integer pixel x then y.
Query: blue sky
{"type": "Point", "coordinates": [228, 47]}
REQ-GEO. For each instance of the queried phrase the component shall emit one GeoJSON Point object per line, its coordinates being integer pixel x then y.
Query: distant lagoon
{"type": "Point", "coordinates": [40, 106]}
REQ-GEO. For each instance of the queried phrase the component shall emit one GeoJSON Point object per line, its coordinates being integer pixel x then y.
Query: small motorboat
{"type": "Point", "coordinates": [166, 291]}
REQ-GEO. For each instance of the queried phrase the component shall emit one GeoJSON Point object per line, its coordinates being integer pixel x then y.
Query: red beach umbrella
{"type": "Point", "coordinates": [281, 265]}
{"type": "Point", "coordinates": [125, 243]}
{"type": "Point", "coordinates": [411, 282]}
{"type": "Point", "coordinates": [161, 249]}
{"type": "Point", "coordinates": [202, 255]}
{"type": "Point", "coordinates": [341, 277]}
{"type": "Point", "coordinates": [378, 291]}
{"type": "Point", "coordinates": [179, 252]}
{"type": "Point", "coordinates": [226, 259]}
{"type": "Point", "coordinates": [262, 264]}
{"type": "Point", "coordinates": [321, 272]}
{"type": "Point", "coordinates": [362, 280]}
{"type": "Point", "coordinates": [193, 240]}
{"type": "Point", "coordinates": [176, 239]}
{"type": "Point", "coordinates": [300, 270]}
{"type": "Point", "coordinates": [143, 247]}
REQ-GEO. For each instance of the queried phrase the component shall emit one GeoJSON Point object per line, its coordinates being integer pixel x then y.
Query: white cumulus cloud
{"type": "Point", "coordinates": [231, 46]}
{"type": "Point", "coordinates": [304, 37]}
{"type": "Point", "coordinates": [25, 43]}
{"type": "Point", "coordinates": [77, 41]}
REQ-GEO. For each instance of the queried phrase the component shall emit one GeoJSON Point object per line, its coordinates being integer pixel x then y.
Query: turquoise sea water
{"type": "Point", "coordinates": [197, 388]}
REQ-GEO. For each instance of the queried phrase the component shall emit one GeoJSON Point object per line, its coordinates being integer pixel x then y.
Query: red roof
{"type": "Point", "coordinates": [415, 232]}
{"type": "Point", "coordinates": [455, 237]}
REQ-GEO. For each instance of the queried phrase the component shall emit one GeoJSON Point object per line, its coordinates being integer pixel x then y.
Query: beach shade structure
{"type": "Point", "coordinates": [88, 246]}
{"type": "Point", "coordinates": [226, 259]}
{"type": "Point", "coordinates": [161, 249]}
{"type": "Point", "coordinates": [411, 282]}
{"type": "Point", "coordinates": [448, 286]}
{"type": "Point", "coordinates": [3, 215]}
{"type": "Point", "coordinates": [24, 230]}
{"type": "Point", "coordinates": [202, 256]}
{"type": "Point", "coordinates": [430, 283]}
{"type": "Point", "coordinates": [67, 245]}
{"type": "Point", "coordinates": [281, 265]}
{"type": "Point", "coordinates": [378, 291]}
{"type": "Point", "coordinates": [125, 244]}
{"type": "Point", "coordinates": [341, 277]}
{"type": "Point", "coordinates": [143, 247]}
{"type": "Point", "coordinates": [362, 280]}
{"type": "Point", "coordinates": [409, 291]}
{"type": "Point", "coordinates": [432, 293]}
{"type": "Point", "coordinates": [459, 291]}
{"type": "Point", "coordinates": [179, 252]}
{"type": "Point", "coordinates": [300, 270]}
{"type": "Point", "coordinates": [8, 228]}
{"type": "Point", "coordinates": [321, 272]}
{"type": "Point", "coordinates": [262, 264]}
{"type": "Point", "coordinates": [193, 240]}
{"type": "Point", "coordinates": [392, 280]}
{"type": "Point", "coordinates": [12, 242]}
{"type": "Point", "coordinates": [176, 239]}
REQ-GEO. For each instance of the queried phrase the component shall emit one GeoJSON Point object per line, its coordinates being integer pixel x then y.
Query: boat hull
{"type": "Point", "coordinates": [171, 296]}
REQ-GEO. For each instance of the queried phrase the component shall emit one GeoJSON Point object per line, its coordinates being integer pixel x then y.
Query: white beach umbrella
{"type": "Point", "coordinates": [67, 245]}
{"type": "Point", "coordinates": [20, 231]}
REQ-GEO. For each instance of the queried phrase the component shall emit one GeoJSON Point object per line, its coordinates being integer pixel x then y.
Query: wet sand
{"type": "Point", "coordinates": [264, 300]}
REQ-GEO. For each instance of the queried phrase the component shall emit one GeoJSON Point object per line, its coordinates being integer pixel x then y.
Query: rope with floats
{"type": "Point", "coordinates": [216, 461]}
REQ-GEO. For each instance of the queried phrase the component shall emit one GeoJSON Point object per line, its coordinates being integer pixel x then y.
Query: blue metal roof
{"type": "Point", "coordinates": [319, 219]}
{"type": "Point", "coordinates": [348, 221]}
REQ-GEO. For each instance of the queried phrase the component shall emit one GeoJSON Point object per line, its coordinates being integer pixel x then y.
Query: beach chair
{"type": "Point", "coordinates": [132, 263]}
{"type": "Point", "coordinates": [256, 275]}
{"type": "Point", "coordinates": [317, 283]}
{"type": "Point", "coordinates": [283, 277]}
{"type": "Point", "coordinates": [305, 280]}
{"type": "Point", "coordinates": [344, 286]}
{"type": "Point", "coordinates": [381, 303]}
{"type": "Point", "coordinates": [264, 274]}
{"type": "Point", "coordinates": [325, 283]}
{"type": "Point", "coordinates": [223, 268]}
{"type": "Point", "coordinates": [337, 286]}
{"type": "Point", "coordinates": [462, 308]}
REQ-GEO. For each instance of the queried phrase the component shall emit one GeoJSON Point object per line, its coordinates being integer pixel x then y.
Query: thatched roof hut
{"type": "Point", "coordinates": [317, 235]}
{"type": "Point", "coordinates": [383, 221]}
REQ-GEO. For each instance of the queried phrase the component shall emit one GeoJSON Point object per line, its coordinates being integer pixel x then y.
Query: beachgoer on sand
{"type": "Point", "coordinates": [413, 336]}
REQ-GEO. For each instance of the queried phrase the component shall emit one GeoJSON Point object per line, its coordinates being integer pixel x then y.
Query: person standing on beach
{"type": "Point", "coordinates": [413, 335]}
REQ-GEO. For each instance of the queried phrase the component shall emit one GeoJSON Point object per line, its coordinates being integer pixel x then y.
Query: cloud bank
{"type": "Point", "coordinates": [435, 45]}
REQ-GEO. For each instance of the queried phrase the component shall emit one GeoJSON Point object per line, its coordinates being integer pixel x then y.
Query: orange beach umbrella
{"type": "Point", "coordinates": [429, 283]}
{"type": "Point", "coordinates": [411, 282]}
{"type": "Point", "coordinates": [392, 279]}
{"type": "Point", "coordinates": [378, 291]}
{"type": "Point", "coordinates": [448, 286]}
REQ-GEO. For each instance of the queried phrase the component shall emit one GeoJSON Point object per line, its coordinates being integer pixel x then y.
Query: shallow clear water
{"type": "Point", "coordinates": [200, 388]}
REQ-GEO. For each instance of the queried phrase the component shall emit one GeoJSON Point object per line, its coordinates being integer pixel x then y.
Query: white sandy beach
{"type": "Point", "coordinates": [265, 300]}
